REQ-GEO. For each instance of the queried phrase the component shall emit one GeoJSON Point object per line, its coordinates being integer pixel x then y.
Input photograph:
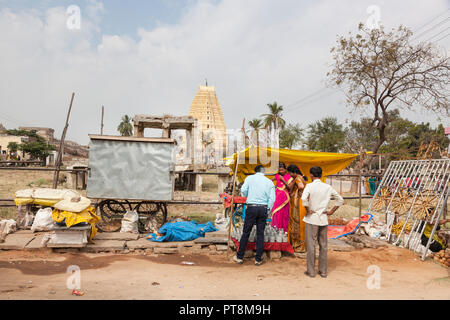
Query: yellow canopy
{"type": "Point", "coordinates": [330, 163]}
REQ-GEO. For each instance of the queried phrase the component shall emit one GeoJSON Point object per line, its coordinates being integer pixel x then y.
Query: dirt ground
{"type": "Point", "coordinates": [42, 275]}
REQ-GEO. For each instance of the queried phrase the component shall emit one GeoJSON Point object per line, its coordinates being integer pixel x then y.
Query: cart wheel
{"type": "Point", "coordinates": [111, 212]}
{"type": "Point", "coordinates": [152, 215]}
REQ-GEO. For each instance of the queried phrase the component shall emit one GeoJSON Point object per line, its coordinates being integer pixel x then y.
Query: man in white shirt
{"type": "Point", "coordinates": [316, 198]}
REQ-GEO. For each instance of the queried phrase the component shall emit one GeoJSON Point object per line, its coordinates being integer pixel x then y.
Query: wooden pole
{"type": "Point", "coordinates": [360, 183]}
{"type": "Point", "coordinates": [101, 125]}
{"type": "Point", "coordinates": [230, 223]}
{"type": "Point", "coordinates": [61, 146]}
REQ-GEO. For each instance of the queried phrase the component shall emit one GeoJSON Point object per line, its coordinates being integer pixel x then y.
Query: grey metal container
{"type": "Point", "coordinates": [130, 168]}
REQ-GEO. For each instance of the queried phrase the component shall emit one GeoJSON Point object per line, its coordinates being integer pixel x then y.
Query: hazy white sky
{"type": "Point", "coordinates": [150, 56]}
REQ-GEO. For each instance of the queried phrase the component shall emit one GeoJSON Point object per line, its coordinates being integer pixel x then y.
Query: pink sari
{"type": "Point", "coordinates": [280, 210]}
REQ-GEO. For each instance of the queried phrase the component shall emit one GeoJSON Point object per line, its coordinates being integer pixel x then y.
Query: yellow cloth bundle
{"type": "Point", "coordinates": [88, 215]}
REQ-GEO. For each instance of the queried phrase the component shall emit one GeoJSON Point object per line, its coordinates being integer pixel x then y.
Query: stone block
{"type": "Point", "coordinates": [274, 254]}
{"type": "Point", "coordinates": [221, 247]}
{"type": "Point", "coordinates": [166, 250]}
{"type": "Point", "coordinates": [17, 241]}
{"type": "Point", "coordinates": [211, 240]}
{"type": "Point", "coordinates": [339, 245]}
{"type": "Point", "coordinates": [141, 243]}
{"type": "Point", "coordinates": [217, 234]}
{"type": "Point", "coordinates": [35, 244]}
{"type": "Point", "coordinates": [116, 236]}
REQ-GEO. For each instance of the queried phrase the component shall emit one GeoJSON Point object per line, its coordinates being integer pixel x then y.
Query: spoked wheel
{"type": "Point", "coordinates": [152, 215]}
{"type": "Point", "coordinates": [112, 212]}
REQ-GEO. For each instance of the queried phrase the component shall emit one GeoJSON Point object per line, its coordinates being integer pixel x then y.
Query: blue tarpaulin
{"type": "Point", "coordinates": [181, 231]}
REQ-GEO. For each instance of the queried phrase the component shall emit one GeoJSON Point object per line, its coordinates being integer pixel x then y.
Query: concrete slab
{"type": "Point", "coordinates": [142, 243]}
{"type": "Point", "coordinates": [339, 245]}
{"type": "Point", "coordinates": [23, 232]}
{"type": "Point", "coordinates": [166, 250]}
{"type": "Point", "coordinates": [105, 245]}
{"type": "Point", "coordinates": [221, 247]}
{"type": "Point", "coordinates": [212, 240]}
{"type": "Point", "coordinates": [116, 236]}
{"type": "Point", "coordinates": [217, 234]}
{"type": "Point", "coordinates": [35, 244]}
{"type": "Point", "coordinates": [16, 241]}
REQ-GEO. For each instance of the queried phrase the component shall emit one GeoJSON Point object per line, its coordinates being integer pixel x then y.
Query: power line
{"type": "Point", "coordinates": [305, 104]}
{"type": "Point", "coordinates": [305, 98]}
{"type": "Point", "coordinates": [448, 34]}
{"type": "Point", "coordinates": [421, 34]}
{"type": "Point", "coordinates": [439, 15]}
{"type": "Point", "coordinates": [428, 30]}
{"type": "Point", "coordinates": [442, 31]}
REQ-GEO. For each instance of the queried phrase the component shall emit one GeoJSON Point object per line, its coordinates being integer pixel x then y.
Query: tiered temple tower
{"type": "Point", "coordinates": [207, 110]}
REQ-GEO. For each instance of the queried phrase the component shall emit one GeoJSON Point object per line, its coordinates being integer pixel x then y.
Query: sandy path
{"type": "Point", "coordinates": [42, 275]}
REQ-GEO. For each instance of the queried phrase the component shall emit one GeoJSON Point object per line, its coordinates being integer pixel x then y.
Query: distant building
{"type": "Point", "coordinates": [46, 133]}
{"type": "Point", "coordinates": [6, 139]}
{"type": "Point", "coordinates": [206, 109]}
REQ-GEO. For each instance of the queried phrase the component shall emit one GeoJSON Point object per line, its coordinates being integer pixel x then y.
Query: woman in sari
{"type": "Point", "coordinates": [297, 211]}
{"type": "Point", "coordinates": [280, 210]}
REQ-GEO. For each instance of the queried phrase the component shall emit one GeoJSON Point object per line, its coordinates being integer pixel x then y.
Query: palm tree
{"type": "Point", "coordinates": [125, 127]}
{"type": "Point", "coordinates": [274, 119]}
{"type": "Point", "coordinates": [256, 124]}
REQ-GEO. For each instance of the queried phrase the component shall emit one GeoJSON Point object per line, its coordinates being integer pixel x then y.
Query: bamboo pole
{"type": "Point", "coordinates": [61, 146]}
{"type": "Point", "coordinates": [360, 183]}
{"type": "Point", "coordinates": [230, 223]}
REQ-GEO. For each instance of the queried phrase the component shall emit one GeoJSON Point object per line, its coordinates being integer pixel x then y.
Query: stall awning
{"type": "Point", "coordinates": [331, 163]}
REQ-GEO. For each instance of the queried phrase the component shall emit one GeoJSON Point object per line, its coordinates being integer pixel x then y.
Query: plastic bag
{"type": "Point", "coordinates": [43, 220]}
{"type": "Point", "coordinates": [129, 222]}
{"type": "Point", "coordinates": [221, 223]}
{"type": "Point", "coordinates": [7, 227]}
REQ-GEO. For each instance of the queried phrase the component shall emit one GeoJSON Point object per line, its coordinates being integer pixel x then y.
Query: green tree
{"type": "Point", "coordinates": [326, 135]}
{"type": "Point", "coordinates": [256, 125]}
{"type": "Point", "coordinates": [38, 149]}
{"type": "Point", "coordinates": [13, 146]}
{"type": "Point", "coordinates": [125, 127]}
{"type": "Point", "coordinates": [274, 118]}
{"type": "Point", "coordinates": [291, 136]}
{"type": "Point", "coordinates": [378, 69]}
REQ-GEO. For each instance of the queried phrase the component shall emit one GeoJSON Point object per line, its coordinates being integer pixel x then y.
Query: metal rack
{"type": "Point", "coordinates": [416, 192]}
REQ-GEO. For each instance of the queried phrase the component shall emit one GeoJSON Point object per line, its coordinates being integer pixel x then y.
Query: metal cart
{"type": "Point", "coordinates": [130, 173]}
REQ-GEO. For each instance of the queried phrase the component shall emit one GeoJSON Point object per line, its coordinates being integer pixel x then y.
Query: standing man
{"type": "Point", "coordinates": [316, 197]}
{"type": "Point", "coordinates": [260, 193]}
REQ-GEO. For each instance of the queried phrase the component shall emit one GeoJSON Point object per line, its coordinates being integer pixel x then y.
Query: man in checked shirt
{"type": "Point", "coordinates": [316, 197]}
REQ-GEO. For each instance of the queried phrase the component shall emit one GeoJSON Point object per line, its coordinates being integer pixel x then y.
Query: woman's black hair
{"type": "Point", "coordinates": [294, 169]}
{"type": "Point", "coordinates": [282, 165]}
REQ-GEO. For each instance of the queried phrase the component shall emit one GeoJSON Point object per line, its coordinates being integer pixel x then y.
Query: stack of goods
{"type": "Point", "coordinates": [443, 257]}
{"type": "Point", "coordinates": [66, 207]}
{"type": "Point", "coordinates": [271, 234]}
{"type": "Point", "coordinates": [397, 228]}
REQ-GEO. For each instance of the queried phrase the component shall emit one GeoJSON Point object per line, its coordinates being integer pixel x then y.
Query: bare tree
{"type": "Point", "coordinates": [381, 70]}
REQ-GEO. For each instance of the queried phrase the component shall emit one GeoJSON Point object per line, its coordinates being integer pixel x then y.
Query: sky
{"type": "Point", "coordinates": [148, 57]}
